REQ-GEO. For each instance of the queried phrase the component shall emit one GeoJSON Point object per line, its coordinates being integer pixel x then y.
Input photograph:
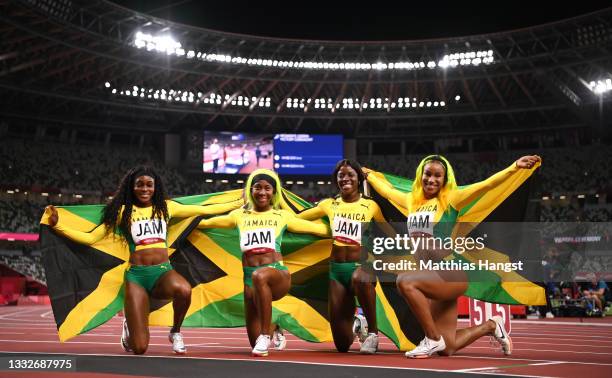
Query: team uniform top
{"type": "Point", "coordinates": [425, 216]}
{"type": "Point", "coordinates": [262, 232]}
{"type": "Point", "coordinates": [346, 218]}
{"type": "Point", "coordinates": [145, 232]}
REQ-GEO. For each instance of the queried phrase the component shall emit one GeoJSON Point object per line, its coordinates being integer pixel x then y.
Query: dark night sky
{"type": "Point", "coordinates": [359, 20]}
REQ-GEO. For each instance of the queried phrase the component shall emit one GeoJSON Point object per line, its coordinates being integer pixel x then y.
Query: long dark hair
{"type": "Point", "coordinates": [349, 163]}
{"type": "Point", "coordinates": [124, 196]}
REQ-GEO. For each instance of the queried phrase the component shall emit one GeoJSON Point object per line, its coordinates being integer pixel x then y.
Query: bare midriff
{"type": "Point", "coordinates": [149, 256]}
{"type": "Point", "coordinates": [259, 259]}
{"type": "Point", "coordinates": [345, 253]}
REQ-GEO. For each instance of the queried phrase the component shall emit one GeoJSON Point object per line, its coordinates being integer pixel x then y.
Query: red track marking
{"type": "Point", "coordinates": [547, 349]}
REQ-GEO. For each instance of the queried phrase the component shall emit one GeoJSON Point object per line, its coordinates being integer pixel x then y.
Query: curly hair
{"type": "Point", "coordinates": [117, 212]}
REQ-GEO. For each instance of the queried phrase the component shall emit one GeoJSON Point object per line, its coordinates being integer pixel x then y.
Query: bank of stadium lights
{"type": "Point", "coordinates": [375, 103]}
{"type": "Point", "coordinates": [166, 44]}
{"type": "Point", "coordinates": [161, 43]}
{"type": "Point", "coordinates": [601, 86]}
{"type": "Point", "coordinates": [173, 95]}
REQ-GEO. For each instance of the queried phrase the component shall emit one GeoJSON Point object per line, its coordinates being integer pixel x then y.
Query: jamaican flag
{"type": "Point", "coordinates": [505, 203]}
{"type": "Point", "coordinates": [86, 281]}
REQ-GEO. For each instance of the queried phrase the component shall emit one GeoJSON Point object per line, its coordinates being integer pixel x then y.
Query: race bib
{"type": "Point", "coordinates": [259, 240]}
{"type": "Point", "coordinates": [148, 231]}
{"type": "Point", "coordinates": [346, 230]}
{"type": "Point", "coordinates": [421, 222]}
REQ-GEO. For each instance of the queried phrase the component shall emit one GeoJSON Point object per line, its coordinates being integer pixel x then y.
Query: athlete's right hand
{"type": "Point", "coordinates": [53, 215]}
{"type": "Point", "coordinates": [365, 171]}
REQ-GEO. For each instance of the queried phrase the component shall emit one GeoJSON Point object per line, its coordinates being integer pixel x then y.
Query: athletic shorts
{"type": "Point", "coordinates": [147, 275]}
{"type": "Point", "coordinates": [249, 270]}
{"type": "Point", "coordinates": [342, 272]}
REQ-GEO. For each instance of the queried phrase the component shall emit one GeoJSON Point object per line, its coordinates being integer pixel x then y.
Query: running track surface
{"type": "Point", "coordinates": [558, 348]}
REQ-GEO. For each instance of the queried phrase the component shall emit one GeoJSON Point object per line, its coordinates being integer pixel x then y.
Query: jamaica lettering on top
{"type": "Point", "coordinates": [254, 222]}
{"type": "Point", "coordinates": [361, 217]}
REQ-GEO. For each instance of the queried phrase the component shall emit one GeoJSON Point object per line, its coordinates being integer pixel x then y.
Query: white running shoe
{"type": "Point", "coordinates": [278, 339]}
{"type": "Point", "coordinates": [360, 328]}
{"type": "Point", "coordinates": [178, 346]}
{"type": "Point", "coordinates": [125, 336]}
{"type": "Point", "coordinates": [370, 344]}
{"type": "Point", "coordinates": [261, 346]}
{"type": "Point", "coordinates": [550, 315]}
{"type": "Point", "coordinates": [501, 336]}
{"type": "Point", "coordinates": [426, 348]}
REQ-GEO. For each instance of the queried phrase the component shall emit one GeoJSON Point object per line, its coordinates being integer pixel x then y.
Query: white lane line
{"type": "Point", "coordinates": [543, 350]}
{"type": "Point", "coordinates": [528, 359]}
{"type": "Point", "coordinates": [549, 323]}
{"type": "Point", "coordinates": [484, 369]}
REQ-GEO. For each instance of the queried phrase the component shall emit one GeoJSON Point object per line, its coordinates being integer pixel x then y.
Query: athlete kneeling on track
{"type": "Point", "coordinates": [261, 224]}
{"type": "Point", "coordinates": [139, 213]}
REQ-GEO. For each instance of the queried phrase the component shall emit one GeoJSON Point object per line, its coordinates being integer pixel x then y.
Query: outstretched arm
{"type": "Point", "coordinates": [302, 226]}
{"type": "Point", "coordinates": [77, 236]}
{"type": "Point", "coordinates": [221, 221]}
{"type": "Point", "coordinates": [183, 211]}
{"type": "Point", "coordinates": [312, 213]}
{"type": "Point", "coordinates": [461, 197]}
{"type": "Point", "coordinates": [385, 190]}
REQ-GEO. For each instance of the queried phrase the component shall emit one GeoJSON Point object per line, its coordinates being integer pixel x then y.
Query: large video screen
{"type": "Point", "coordinates": [309, 154]}
{"type": "Point", "coordinates": [228, 152]}
{"type": "Point", "coordinates": [289, 154]}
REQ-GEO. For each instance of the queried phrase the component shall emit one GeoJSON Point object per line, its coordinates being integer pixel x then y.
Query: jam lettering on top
{"type": "Point", "coordinates": [258, 240]}
{"type": "Point", "coordinates": [422, 221]}
{"type": "Point", "coordinates": [347, 230]}
{"type": "Point", "coordinates": [148, 231]}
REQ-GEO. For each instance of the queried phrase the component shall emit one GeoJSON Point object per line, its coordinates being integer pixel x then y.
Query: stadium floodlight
{"type": "Point", "coordinates": [600, 86]}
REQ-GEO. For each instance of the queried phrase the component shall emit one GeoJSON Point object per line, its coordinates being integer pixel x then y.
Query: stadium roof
{"type": "Point", "coordinates": [350, 20]}
{"type": "Point", "coordinates": [91, 64]}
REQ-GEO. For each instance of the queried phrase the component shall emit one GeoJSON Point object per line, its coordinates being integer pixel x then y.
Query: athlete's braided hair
{"type": "Point", "coordinates": [116, 220]}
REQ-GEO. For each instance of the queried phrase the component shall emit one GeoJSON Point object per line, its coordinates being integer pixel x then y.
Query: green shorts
{"type": "Point", "coordinates": [249, 270]}
{"type": "Point", "coordinates": [147, 275]}
{"type": "Point", "coordinates": [342, 272]}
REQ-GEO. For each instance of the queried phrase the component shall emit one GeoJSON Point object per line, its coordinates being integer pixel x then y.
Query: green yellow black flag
{"type": "Point", "coordinates": [86, 281]}
{"type": "Point", "coordinates": [506, 202]}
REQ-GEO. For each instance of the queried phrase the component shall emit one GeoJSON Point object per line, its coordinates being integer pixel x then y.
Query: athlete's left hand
{"type": "Point", "coordinates": [528, 162]}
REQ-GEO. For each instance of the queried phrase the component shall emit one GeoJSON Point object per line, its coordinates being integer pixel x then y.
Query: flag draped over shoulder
{"type": "Point", "coordinates": [86, 281]}
{"type": "Point", "coordinates": [506, 202]}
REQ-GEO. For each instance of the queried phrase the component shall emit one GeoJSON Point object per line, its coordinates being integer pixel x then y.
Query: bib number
{"type": "Point", "coordinates": [347, 231]}
{"type": "Point", "coordinates": [260, 240]}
